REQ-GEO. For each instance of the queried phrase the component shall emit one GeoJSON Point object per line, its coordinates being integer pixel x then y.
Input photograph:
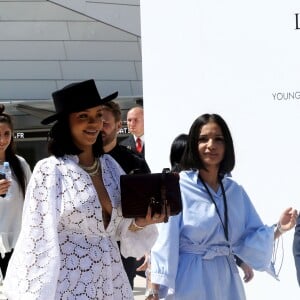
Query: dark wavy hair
{"type": "Point", "coordinates": [10, 152]}
{"type": "Point", "coordinates": [60, 141]}
{"type": "Point", "coordinates": [191, 158]}
{"type": "Point", "coordinates": [177, 149]}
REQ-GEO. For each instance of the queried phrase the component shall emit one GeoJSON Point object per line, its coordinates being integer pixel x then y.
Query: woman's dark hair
{"type": "Point", "coordinates": [61, 141]}
{"type": "Point", "coordinates": [10, 154]}
{"type": "Point", "coordinates": [191, 158]}
{"type": "Point", "coordinates": [177, 149]}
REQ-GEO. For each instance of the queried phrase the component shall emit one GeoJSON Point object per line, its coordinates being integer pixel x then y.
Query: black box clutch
{"type": "Point", "coordinates": [138, 191]}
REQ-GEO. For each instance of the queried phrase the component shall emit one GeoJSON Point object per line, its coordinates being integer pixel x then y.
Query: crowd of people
{"type": "Point", "coordinates": [63, 235]}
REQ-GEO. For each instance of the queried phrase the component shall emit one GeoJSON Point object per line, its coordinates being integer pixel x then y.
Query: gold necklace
{"type": "Point", "coordinates": [93, 169]}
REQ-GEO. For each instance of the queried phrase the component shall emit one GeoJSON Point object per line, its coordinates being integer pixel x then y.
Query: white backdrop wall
{"type": "Point", "coordinates": [240, 59]}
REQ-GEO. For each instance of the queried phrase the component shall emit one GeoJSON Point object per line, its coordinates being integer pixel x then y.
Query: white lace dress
{"type": "Point", "coordinates": [64, 251]}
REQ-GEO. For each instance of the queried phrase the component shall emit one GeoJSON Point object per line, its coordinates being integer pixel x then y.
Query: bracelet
{"type": "Point", "coordinates": [151, 292]}
{"type": "Point", "coordinates": [279, 228]}
{"type": "Point", "coordinates": [133, 227]}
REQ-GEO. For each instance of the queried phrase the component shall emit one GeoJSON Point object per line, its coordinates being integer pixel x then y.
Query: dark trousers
{"type": "Point", "coordinates": [139, 263]}
{"type": "Point", "coordinates": [4, 262]}
{"type": "Point", "coordinates": [129, 264]}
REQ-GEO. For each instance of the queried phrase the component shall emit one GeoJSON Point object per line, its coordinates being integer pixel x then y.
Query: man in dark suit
{"type": "Point", "coordinates": [296, 248]}
{"type": "Point", "coordinates": [129, 161]}
{"type": "Point", "coordinates": [135, 123]}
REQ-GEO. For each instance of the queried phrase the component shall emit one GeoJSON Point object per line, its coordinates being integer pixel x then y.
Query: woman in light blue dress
{"type": "Point", "coordinates": [194, 256]}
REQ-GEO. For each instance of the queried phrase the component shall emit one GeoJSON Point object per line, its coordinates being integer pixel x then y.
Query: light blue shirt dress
{"type": "Point", "coordinates": [192, 260]}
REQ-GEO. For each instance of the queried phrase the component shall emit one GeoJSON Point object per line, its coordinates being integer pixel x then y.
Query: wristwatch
{"type": "Point", "coordinates": [280, 229]}
{"type": "Point", "coordinates": [151, 292]}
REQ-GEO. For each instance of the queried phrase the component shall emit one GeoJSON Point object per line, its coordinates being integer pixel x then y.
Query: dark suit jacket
{"type": "Point", "coordinates": [130, 161]}
{"type": "Point", "coordinates": [129, 142]}
{"type": "Point", "coordinates": [296, 248]}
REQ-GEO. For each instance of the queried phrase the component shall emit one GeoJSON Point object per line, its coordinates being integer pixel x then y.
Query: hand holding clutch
{"type": "Point", "coordinates": [159, 191]}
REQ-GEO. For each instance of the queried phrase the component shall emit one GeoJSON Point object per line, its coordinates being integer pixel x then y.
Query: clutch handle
{"type": "Point", "coordinates": [163, 191]}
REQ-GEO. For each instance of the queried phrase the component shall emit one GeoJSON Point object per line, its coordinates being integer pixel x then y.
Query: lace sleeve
{"type": "Point", "coordinates": [34, 267]}
{"type": "Point", "coordinates": [142, 240]}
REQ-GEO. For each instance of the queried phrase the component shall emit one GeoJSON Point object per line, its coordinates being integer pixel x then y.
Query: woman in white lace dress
{"type": "Point", "coordinates": [72, 213]}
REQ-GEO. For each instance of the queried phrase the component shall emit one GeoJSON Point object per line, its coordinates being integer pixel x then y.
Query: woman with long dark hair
{"type": "Point", "coordinates": [11, 205]}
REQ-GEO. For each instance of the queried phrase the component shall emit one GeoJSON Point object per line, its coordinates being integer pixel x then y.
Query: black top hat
{"type": "Point", "coordinates": [76, 97]}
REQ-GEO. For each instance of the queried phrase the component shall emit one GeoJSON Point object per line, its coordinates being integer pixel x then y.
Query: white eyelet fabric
{"type": "Point", "coordinates": [64, 252]}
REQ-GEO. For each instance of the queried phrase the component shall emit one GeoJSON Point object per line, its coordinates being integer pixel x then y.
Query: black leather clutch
{"type": "Point", "coordinates": [138, 191]}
